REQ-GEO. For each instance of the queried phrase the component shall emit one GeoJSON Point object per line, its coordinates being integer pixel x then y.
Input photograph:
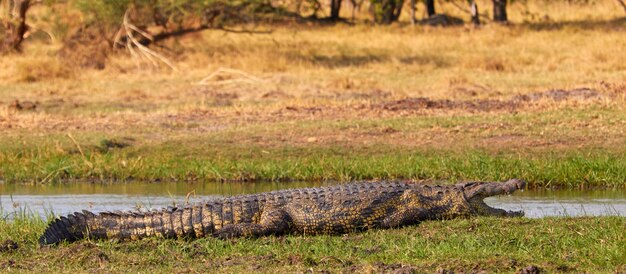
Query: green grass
{"type": "Point", "coordinates": [593, 244]}
{"type": "Point", "coordinates": [570, 147]}
{"type": "Point", "coordinates": [548, 169]}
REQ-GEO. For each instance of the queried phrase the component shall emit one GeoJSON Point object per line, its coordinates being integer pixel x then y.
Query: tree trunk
{"type": "Point", "coordinates": [499, 11]}
{"type": "Point", "coordinates": [386, 11]}
{"type": "Point", "coordinates": [15, 25]}
{"type": "Point", "coordinates": [397, 9]}
{"type": "Point", "coordinates": [335, 7]}
{"type": "Point", "coordinates": [430, 7]}
{"type": "Point", "coordinates": [413, 19]}
{"type": "Point", "coordinates": [474, 12]}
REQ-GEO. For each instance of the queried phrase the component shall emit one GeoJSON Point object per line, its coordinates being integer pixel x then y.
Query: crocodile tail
{"type": "Point", "coordinates": [66, 228]}
{"type": "Point", "coordinates": [171, 222]}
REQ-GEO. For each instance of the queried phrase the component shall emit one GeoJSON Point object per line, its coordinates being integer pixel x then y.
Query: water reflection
{"type": "Point", "coordinates": [67, 198]}
{"type": "Point", "coordinates": [540, 203]}
{"type": "Point", "coordinates": [147, 189]}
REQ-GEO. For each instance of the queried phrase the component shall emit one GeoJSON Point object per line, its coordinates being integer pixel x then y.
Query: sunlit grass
{"type": "Point", "coordinates": [570, 169]}
{"type": "Point", "coordinates": [593, 244]}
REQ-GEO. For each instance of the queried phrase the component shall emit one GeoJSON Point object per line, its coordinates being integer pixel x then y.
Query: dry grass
{"type": "Point", "coordinates": [30, 70]}
{"type": "Point", "coordinates": [336, 63]}
{"type": "Point", "coordinates": [577, 45]}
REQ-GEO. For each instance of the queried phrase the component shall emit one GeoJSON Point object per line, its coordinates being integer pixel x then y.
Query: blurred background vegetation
{"type": "Point", "coordinates": [116, 22]}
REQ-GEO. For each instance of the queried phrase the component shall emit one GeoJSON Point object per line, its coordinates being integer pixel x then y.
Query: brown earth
{"type": "Point", "coordinates": [44, 115]}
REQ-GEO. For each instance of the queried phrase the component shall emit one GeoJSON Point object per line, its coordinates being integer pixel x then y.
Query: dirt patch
{"type": "Point", "coordinates": [132, 119]}
{"type": "Point", "coordinates": [380, 267]}
{"type": "Point", "coordinates": [116, 143]}
{"type": "Point", "coordinates": [617, 89]}
{"type": "Point", "coordinates": [8, 246]}
{"type": "Point", "coordinates": [9, 264]}
{"type": "Point", "coordinates": [531, 269]}
{"type": "Point", "coordinates": [309, 110]}
{"type": "Point", "coordinates": [487, 105]}
{"type": "Point", "coordinates": [23, 105]}
{"type": "Point", "coordinates": [43, 106]}
{"type": "Point", "coordinates": [471, 105]}
{"type": "Point", "coordinates": [559, 95]}
{"type": "Point", "coordinates": [217, 97]}
{"type": "Point", "coordinates": [372, 94]}
{"type": "Point", "coordinates": [294, 259]}
{"type": "Point", "coordinates": [402, 269]}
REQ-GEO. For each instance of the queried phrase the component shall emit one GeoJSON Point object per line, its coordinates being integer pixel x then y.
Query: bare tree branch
{"type": "Point", "coordinates": [135, 47]}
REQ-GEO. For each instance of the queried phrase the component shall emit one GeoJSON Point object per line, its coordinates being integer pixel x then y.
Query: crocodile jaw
{"type": "Point", "coordinates": [475, 193]}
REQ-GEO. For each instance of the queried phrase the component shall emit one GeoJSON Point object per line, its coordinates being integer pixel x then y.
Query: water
{"type": "Point", "coordinates": [543, 203]}
{"type": "Point", "coordinates": [67, 198]}
{"type": "Point", "coordinates": [63, 199]}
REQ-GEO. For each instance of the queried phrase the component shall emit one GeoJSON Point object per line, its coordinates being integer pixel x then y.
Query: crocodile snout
{"type": "Point", "coordinates": [493, 188]}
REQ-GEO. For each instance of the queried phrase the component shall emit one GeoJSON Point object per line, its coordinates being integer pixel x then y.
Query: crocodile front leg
{"type": "Point", "coordinates": [272, 222]}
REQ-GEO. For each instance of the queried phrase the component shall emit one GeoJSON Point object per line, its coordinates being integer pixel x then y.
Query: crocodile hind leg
{"type": "Point", "coordinates": [275, 222]}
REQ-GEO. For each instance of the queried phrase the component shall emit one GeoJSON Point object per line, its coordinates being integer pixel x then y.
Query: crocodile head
{"type": "Point", "coordinates": [475, 192]}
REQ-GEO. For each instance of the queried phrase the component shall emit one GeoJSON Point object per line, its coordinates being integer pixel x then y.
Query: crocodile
{"type": "Point", "coordinates": [335, 209]}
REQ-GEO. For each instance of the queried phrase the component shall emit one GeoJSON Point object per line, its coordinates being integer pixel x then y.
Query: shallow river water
{"type": "Point", "coordinates": [67, 198]}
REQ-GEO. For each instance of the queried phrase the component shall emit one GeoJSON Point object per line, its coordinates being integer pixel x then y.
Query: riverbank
{"type": "Point", "coordinates": [566, 145]}
{"type": "Point", "coordinates": [590, 244]}
{"type": "Point", "coordinates": [206, 159]}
